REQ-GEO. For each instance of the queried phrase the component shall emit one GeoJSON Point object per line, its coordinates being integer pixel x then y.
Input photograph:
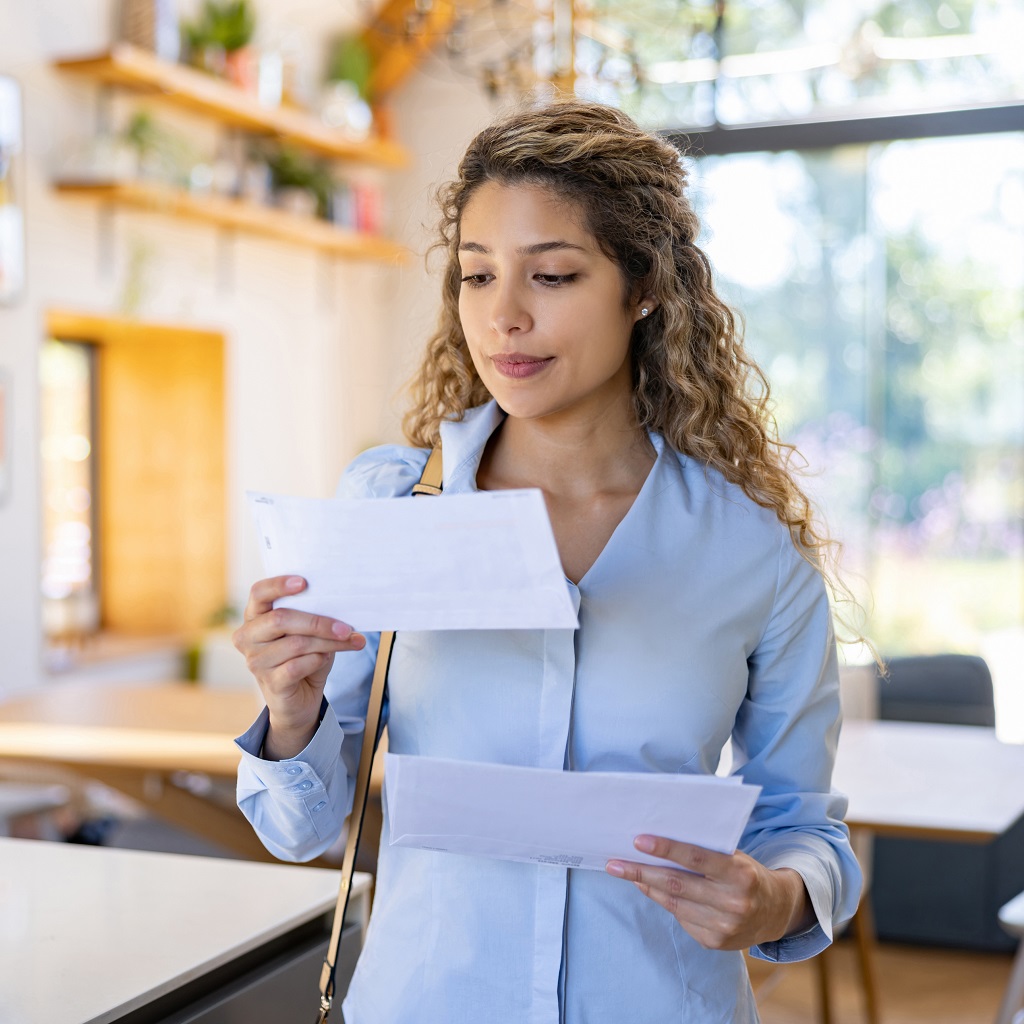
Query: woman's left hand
{"type": "Point", "coordinates": [725, 901]}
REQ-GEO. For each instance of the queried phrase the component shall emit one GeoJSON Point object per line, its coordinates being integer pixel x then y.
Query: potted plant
{"type": "Point", "coordinates": [343, 103]}
{"type": "Point", "coordinates": [219, 41]}
{"type": "Point", "coordinates": [300, 184]}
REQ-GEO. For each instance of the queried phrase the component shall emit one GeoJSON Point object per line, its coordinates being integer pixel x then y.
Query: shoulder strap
{"type": "Point", "coordinates": [430, 482]}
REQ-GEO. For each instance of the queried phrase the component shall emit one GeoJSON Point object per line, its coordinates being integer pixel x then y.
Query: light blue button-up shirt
{"type": "Point", "coordinates": [699, 622]}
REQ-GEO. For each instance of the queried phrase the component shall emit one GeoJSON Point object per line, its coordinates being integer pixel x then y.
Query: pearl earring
{"type": "Point", "coordinates": [644, 311]}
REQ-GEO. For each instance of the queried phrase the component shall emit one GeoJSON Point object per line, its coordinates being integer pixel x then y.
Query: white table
{"type": "Point", "coordinates": [91, 935]}
{"type": "Point", "coordinates": [141, 739]}
{"type": "Point", "coordinates": [932, 781]}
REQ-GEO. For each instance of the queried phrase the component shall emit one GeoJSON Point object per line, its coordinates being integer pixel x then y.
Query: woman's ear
{"type": "Point", "coordinates": [645, 307]}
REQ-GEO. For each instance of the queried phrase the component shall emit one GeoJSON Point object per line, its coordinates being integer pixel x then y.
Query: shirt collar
{"type": "Point", "coordinates": [463, 442]}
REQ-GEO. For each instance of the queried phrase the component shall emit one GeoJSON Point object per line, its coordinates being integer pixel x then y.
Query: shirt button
{"type": "Point", "coordinates": [320, 806]}
{"type": "Point", "coordinates": [294, 770]}
{"type": "Point", "coordinates": [304, 786]}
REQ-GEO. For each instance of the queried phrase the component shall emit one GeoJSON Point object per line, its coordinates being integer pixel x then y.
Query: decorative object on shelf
{"type": "Point", "coordinates": [151, 25]}
{"type": "Point", "coordinates": [219, 41]}
{"type": "Point", "coordinates": [301, 184]}
{"type": "Point", "coordinates": [6, 433]}
{"type": "Point", "coordinates": [136, 70]}
{"type": "Point", "coordinates": [159, 152]}
{"type": "Point", "coordinates": [12, 227]}
{"type": "Point", "coordinates": [144, 149]}
{"type": "Point", "coordinates": [343, 108]}
{"type": "Point", "coordinates": [233, 187]}
{"type": "Point", "coordinates": [357, 206]}
{"type": "Point", "coordinates": [270, 79]}
{"type": "Point", "coordinates": [238, 215]}
{"type": "Point", "coordinates": [344, 97]}
{"type": "Point", "coordinates": [350, 60]}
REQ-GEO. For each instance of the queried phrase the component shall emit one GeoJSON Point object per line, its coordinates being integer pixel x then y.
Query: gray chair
{"type": "Point", "coordinates": [930, 891]}
{"type": "Point", "coordinates": [942, 688]}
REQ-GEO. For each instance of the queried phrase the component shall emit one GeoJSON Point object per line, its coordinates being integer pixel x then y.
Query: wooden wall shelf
{"type": "Point", "coordinates": [240, 215]}
{"type": "Point", "coordinates": [128, 67]}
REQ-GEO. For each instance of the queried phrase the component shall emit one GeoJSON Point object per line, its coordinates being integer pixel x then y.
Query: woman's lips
{"type": "Point", "coordinates": [517, 366]}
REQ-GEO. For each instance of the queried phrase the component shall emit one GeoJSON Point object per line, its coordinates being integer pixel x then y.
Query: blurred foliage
{"type": "Point", "coordinates": [229, 24]}
{"type": "Point", "coordinates": [292, 168]}
{"type": "Point", "coordinates": [350, 61]}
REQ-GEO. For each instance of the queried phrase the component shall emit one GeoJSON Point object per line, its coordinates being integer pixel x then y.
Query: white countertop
{"type": "Point", "coordinates": [88, 934]}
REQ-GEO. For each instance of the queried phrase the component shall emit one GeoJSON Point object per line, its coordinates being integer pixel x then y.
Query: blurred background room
{"type": "Point", "coordinates": [215, 218]}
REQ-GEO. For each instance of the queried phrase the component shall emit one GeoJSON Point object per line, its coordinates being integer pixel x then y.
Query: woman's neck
{"type": "Point", "coordinates": [573, 455]}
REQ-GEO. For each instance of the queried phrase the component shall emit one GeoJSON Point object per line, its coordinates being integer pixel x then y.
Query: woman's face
{"type": "Point", "coordinates": [541, 306]}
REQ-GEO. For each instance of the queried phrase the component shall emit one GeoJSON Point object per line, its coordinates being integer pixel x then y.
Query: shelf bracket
{"type": "Point", "coordinates": [105, 242]}
{"type": "Point", "coordinates": [226, 261]}
{"type": "Point", "coordinates": [105, 110]}
{"type": "Point", "coordinates": [326, 292]}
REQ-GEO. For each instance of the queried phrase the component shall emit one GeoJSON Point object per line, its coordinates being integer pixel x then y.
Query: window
{"type": "Point", "coordinates": [134, 478]}
{"type": "Point", "coordinates": [711, 62]}
{"type": "Point", "coordinates": [67, 386]}
{"type": "Point", "coordinates": [883, 291]}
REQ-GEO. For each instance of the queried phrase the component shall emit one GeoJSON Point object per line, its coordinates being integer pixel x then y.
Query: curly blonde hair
{"type": "Point", "coordinates": [693, 381]}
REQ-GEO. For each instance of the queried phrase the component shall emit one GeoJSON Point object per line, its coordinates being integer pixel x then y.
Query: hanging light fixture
{"type": "Point", "coordinates": [539, 47]}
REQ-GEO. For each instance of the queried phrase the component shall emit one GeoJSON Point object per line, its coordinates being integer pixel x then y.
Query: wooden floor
{"type": "Point", "coordinates": [916, 985]}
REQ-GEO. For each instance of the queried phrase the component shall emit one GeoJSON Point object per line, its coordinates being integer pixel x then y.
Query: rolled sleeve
{"type": "Point", "coordinates": [821, 887]}
{"type": "Point", "coordinates": [297, 806]}
{"type": "Point", "coordinates": [785, 739]}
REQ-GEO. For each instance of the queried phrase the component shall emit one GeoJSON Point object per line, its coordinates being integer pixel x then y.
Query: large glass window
{"type": "Point", "coordinates": [883, 291]}
{"type": "Point", "coordinates": [67, 393]}
{"type": "Point", "coordinates": [708, 62]}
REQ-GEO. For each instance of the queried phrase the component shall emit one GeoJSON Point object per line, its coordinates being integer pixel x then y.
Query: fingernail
{"type": "Point", "coordinates": [613, 867]}
{"type": "Point", "coordinates": [645, 844]}
{"type": "Point", "coordinates": [341, 630]}
{"type": "Point", "coordinates": [358, 641]}
{"type": "Point", "coordinates": [294, 582]}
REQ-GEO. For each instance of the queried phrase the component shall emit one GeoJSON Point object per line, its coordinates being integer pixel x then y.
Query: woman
{"type": "Point", "coordinates": [582, 350]}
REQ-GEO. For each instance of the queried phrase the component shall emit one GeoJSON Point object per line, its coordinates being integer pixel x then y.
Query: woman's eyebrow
{"type": "Point", "coordinates": [525, 250]}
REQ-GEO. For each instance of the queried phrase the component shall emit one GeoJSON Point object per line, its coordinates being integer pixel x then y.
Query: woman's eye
{"type": "Point", "coordinates": [554, 280]}
{"type": "Point", "coordinates": [476, 280]}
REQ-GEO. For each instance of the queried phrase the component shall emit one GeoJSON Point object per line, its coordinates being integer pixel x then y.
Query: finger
{"type": "Point", "coordinates": [279, 622]}
{"type": "Point", "coordinates": [698, 859]}
{"type": "Point", "coordinates": [696, 903]}
{"type": "Point", "coordinates": [706, 924]}
{"type": "Point", "coordinates": [672, 882]}
{"type": "Point", "coordinates": [265, 658]}
{"type": "Point", "coordinates": [264, 593]}
{"type": "Point", "coordinates": [296, 669]}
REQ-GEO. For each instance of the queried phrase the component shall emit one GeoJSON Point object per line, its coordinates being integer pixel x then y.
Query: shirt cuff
{"type": "Point", "coordinates": [319, 758]}
{"type": "Point", "coordinates": [818, 883]}
{"type": "Point", "coordinates": [297, 806]}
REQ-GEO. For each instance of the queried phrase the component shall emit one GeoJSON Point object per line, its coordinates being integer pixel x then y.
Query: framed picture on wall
{"type": "Point", "coordinates": [6, 438]}
{"type": "Point", "coordinates": [12, 226]}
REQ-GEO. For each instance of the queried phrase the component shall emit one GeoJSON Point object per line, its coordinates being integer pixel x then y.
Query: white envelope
{"type": "Point", "coordinates": [560, 818]}
{"type": "Point", "coordinates": [486, 560]}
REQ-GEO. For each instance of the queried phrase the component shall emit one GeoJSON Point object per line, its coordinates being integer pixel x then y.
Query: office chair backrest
{"type": "Point", "coordinates": [949, 688]}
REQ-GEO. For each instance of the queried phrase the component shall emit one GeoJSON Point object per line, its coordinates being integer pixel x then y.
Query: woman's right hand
{"type": "Point", "coordinates": [290, 653]}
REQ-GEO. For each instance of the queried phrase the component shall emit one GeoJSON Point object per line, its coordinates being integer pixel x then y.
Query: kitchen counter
{"type": "Point", "coordinates": [90, 935]}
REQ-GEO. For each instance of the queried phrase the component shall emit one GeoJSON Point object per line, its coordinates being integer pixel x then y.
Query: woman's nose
{"type": "Point", "coordinates": [509, 311]}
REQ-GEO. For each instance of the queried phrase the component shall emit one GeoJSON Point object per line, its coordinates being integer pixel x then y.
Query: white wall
{"type": "Point", "coordinates": [317, 349]}
{"type": "Point", "coordinates": [437, 113]}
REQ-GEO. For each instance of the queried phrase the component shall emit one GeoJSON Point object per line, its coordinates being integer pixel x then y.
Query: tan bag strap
{"type": "Point", "coordinates": [430, 483]}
